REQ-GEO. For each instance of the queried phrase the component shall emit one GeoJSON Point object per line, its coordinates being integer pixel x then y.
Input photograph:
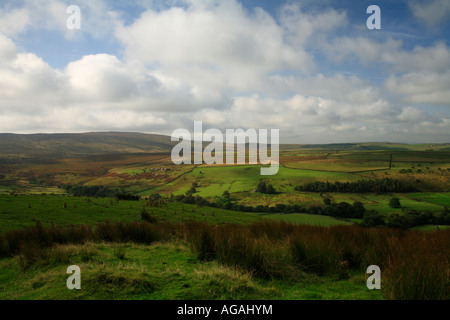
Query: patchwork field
{"type": "Point", "coordinates": [176, 265]}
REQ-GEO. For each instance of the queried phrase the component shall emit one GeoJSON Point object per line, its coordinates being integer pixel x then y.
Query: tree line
{"type": "Point", "coordinates": [338, 210]}
{"type": "Point", "coordinates": [98, 192]}
{"type": "Point", "coordinates": [385, 185]}
{"type": "Point", "coordinates": [406, 220]}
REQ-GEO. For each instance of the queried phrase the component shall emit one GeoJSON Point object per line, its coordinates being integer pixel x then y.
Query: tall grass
{"type": "Point", "coordinates": [414, 265]}
{"type": "Point", "coordinates": [419, 267]}
{"type": "Point", "coordinates": [37, 237]}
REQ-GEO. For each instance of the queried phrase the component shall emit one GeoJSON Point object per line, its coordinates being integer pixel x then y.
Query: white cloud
{"type": "Point", "coordinates": [421, 87]}
{"type": "Point", "coordinates": [431, 13]}
{"type": "Point", "coordinates": [217, 62]}
{"type": "Point", "coordinates": [301, 26]}
{"type": "Point", "coordinates": [14, 21]}
{"type": "Point", "coordinates": [27, 83]}
{"type": "Point", "coordinates": [97, 19]}
{"type": "Point", "coordinates": [421, 75]}
{"type": "Point", "coordinates": [7, 49]}
{"type": "Point", "coordinates": [203, 45]}
{"type": "Point", "coordinates": [410, 114]}
{"type": "Point", "coordinates": [361, 49]}
{"type": "Point", "coordinates": [435, 58]}
{"type": "Point", "coordinates": [103, 78]}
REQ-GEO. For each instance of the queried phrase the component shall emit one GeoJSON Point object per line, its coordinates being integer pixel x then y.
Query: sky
{"type": "Point", "coordinates": [310, 68]}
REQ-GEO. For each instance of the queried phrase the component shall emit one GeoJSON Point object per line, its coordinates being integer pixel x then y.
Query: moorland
{"type": "Point", "coordinates": [141, 227]}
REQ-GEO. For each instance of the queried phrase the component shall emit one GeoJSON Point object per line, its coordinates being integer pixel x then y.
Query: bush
{"type": "Point", "coordinates": [372, 219]}
{"type": "Point", "coordinates": [343, 210]}
{"type": "Point", "coordinates": [395, 203]}
{"type": "Point", "coordinates": [358, 210]}
{"type": "Point", "coordinates": [126, 196]}
{"type": "Point", "coordinates": [443, 218]}
{"type": "Point", "coordinates": [395, 220]}
{"type": "Point", "coordinates": [262, 187]}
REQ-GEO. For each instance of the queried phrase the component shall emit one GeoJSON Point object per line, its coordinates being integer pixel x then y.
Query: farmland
{"type": "Point", "coordinates": [33, 185]}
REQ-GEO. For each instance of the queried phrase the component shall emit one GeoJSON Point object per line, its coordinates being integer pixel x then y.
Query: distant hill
{"type": "Point", "coordinates": [81, 144]}
{"type": "Point", "coordinates": [368, 146]}
{"type": "Point", "coordinates": [63, 145]}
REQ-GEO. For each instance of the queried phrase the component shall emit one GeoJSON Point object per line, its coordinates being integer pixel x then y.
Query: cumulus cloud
{"type": "Point", "coordinates": [301, 26]}
{"type": "Point", "coordinates": [27, 83]}
{"type": "Point", "coordinates": [103, 78]}
{"type": "Point", "coordinates": [421, 87]}
{"type": "Point", "coordinates": [14, 21]}
{"type": "Point", "coordinates": [435, 58]}
{"type": "Point", "coordinates": [431, 13]}
{"type": "Point", "coordinates": [223, 64]}
{"type": "Point", "coordinates": [229, 46]}
{"type": "Point", "coordinates": [420, 75]}
{"type": "Point", "coordinates": [98, 20]}
{"type": "Point", "coordinates": [361, 49]}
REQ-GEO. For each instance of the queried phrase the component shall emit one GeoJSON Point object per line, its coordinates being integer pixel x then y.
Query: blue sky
{"type": "Point", "coordinates": [310, 68]}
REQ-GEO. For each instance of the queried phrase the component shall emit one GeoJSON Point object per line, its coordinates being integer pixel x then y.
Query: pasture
{"type": "Point", "coordinates": [172, 268]}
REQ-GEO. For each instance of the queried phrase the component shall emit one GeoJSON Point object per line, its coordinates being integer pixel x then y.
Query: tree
{"type": "Point", "coordinates": [394, 220]}
{"type": "Point", "coordinates": [343, 210]}
{"type": "Point", "coordinates": [224, 201]}
{"type": "Point", "coordinates": [270, 189]}
{"type": "Point", "coordinates": [155, 200]}
{"type": "Point", "coordinates": [261, 187]}
{"type": "Point", "coordinates": [444, 217]}
{"type": "Point", "coordinates": [372, 219]}
{"type": "Point", "coordinates": [395, 203]}
{"type": "Point", "coordinates": [358, 210]}
{"type": "Point", "coordinates": [265, 188]}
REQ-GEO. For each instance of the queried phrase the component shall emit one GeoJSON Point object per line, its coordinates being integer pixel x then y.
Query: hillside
{"type": "Point", "coordinates": [67, 145]}
{"type": "Point", "coordinates": [80, 144]}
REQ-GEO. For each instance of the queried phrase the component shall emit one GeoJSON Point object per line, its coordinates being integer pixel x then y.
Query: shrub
{"type": "Point", "coordinates": [358, 209]}
{"type": "Point", "coordinates": [395, 203]}
{"type": "Point", "coordinates": [372, 219]}
{"type": "Point", "coordinates": [395, 220]}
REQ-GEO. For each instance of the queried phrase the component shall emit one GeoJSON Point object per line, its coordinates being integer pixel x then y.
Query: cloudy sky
{"type": "Point", "coordinates": [310, 68]}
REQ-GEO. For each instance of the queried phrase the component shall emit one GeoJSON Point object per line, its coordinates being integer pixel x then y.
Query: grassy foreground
{"type": "Point", "coordinates": [197, 260]}
{"type": "Point", "coordinates": [160, 271]}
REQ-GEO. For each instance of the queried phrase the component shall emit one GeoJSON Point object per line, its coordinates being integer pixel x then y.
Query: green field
{"type": "Point", "coordinates": [442, 199]}
{"type": "Point", "coordinates": [21, 211]}
{"type": "Point", "coordinates": [213, 181]}
{"type": "Point", "coordinates": [31, 190]}
{"type": "Point", "coordinates": [162, 271]}
{"type": "Point", "coordinates": [309, 219]}
{"type": "Point", "coordinates": [380, 202]}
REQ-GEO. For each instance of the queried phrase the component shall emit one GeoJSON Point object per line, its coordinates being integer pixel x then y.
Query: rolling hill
{"type": "Point", "coordinates": [81, 144]}
{"type": "Point", "coordinates": [65, 145]}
